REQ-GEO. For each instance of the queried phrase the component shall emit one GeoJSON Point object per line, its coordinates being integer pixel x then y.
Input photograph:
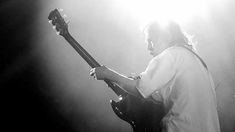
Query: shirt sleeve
{"type": "Point", "coordinates": [158, 73]}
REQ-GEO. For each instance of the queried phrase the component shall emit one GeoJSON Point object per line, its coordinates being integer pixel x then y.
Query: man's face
{"type": "Point", "coordinates": [157, 42]}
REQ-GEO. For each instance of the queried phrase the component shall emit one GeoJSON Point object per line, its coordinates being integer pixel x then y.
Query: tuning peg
{"type": "Point", "coordinates": [64, 16]}
{"type": "Point", "coordinates": [67, 22]}
{"type": "Point", "coordinates": [50, 21]}
{"type": "Point", "coordinates": [61, 10]}
{"type": "Point", "coordinates": [58, 33]}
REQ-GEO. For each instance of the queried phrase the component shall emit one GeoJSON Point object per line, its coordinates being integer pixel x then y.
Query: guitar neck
{"type": "Point", "coordinates": [92, 62]}
{"type": "Point", "coordinates": [81, 51]}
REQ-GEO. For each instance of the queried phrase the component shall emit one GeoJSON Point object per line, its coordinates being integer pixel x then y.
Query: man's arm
{"type": "Point", "coordinates": [127, 84]}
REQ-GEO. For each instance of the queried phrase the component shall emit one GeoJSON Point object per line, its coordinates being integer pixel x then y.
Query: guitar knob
{"type": "Point", "coordinates": [116, 108]}
{"type": "Point", "coordinates": [133, 122]}
{"type": "Point", "coordinates": [120, 98]}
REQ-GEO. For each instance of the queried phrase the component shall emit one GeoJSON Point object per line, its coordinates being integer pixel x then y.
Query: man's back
{"type": "Point", "coordinates": [190, 99]}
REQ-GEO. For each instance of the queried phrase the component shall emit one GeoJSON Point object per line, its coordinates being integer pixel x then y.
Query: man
{"type": "Point", "coordinates": [177, 77]}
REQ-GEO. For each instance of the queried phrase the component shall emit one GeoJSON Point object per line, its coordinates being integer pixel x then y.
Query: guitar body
{"type": "Point", "coordinates": [142, 115]}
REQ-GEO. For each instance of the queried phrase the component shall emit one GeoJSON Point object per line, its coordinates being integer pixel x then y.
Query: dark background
{"type": "Point", "coordinates": [24, 106]}
{"type": "Point", "coordinates": [28, 98]}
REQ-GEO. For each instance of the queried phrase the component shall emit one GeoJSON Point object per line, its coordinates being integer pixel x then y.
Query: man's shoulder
{"type": "Point", "coordinates": [175, 49]}
{"type": "Point", "coordinates": [176, 54]}
{"type": "Point", "coordinates": [169, 54]}
{"type": "Point", "coordinates": [178, 51]}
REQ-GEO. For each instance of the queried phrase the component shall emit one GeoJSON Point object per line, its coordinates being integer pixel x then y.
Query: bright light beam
{"type": "Point", "coordinates": [178, 10]}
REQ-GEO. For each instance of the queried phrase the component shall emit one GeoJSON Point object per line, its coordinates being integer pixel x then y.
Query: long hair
{"type": "Point", "coordinates": [178, 36]}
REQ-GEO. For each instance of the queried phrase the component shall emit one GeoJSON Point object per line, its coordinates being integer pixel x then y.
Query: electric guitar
{"type": "Point", "coordinates": [142, 115]}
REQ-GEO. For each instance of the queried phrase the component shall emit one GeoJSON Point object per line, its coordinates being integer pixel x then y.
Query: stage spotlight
{"type": "Point", "coordinates": [179, 10]}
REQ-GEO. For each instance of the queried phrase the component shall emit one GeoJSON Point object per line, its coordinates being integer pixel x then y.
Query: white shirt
{"type": "Point", "coordinates": [178, 79]}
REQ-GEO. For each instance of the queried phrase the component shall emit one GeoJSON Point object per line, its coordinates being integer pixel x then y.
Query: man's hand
{"type": "Point", "coordinates": [99, 72]}
{"type": "Point", "coordinates": [134, 76]}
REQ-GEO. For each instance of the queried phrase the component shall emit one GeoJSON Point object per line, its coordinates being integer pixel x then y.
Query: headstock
{"type": "Point", "coordinates": [58, 22]}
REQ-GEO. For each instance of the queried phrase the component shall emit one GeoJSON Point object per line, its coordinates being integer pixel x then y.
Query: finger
{"type": "Point", "coordinates": [95, 76]}
{"type": "Point", "coordinates": [92, 72]}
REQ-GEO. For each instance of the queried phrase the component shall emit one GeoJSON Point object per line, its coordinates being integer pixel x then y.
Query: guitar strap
{"type": "Point", "coordinates": [204, 64]}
